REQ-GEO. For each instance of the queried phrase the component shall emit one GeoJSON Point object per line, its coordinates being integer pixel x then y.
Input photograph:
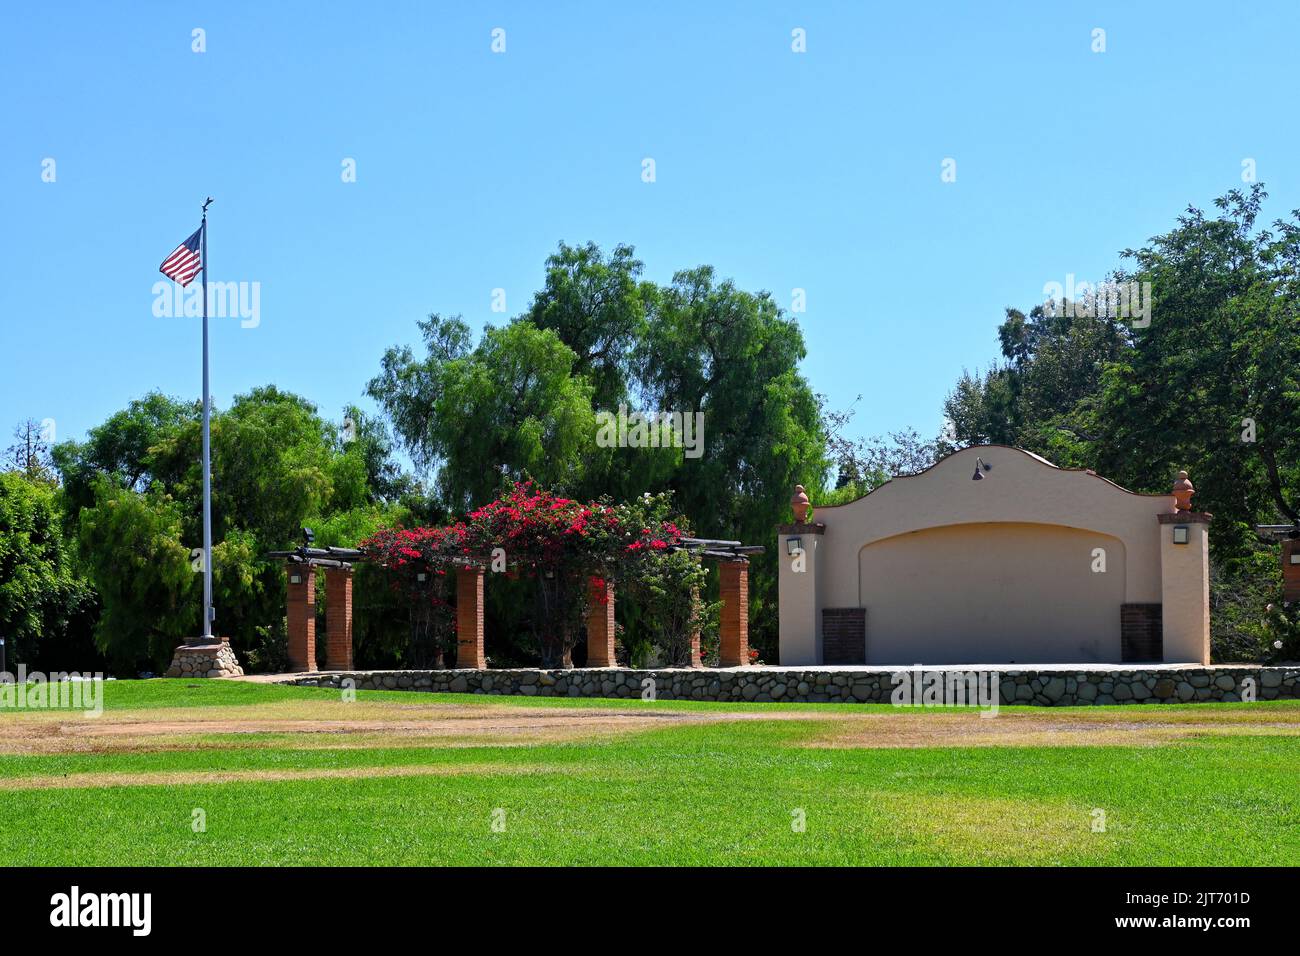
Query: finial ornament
{"type": "Point", "coordinates": [799, 502]}
{"type": "Point", "coordinates": [1183, 491]}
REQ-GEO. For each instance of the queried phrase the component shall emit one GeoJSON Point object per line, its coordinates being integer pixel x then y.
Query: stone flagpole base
{"type": "Point", "coordinates": [205, 660]}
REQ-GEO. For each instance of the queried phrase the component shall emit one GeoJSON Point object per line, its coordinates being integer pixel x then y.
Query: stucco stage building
{"type": "Point", "coordinates": [996, 556]}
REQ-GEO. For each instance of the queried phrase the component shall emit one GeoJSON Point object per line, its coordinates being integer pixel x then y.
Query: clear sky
{"type": "Point", "coordinates": [818, 170]}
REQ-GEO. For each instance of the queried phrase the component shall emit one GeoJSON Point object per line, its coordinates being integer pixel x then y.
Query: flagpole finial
{"type": "Point", "coordinates": [206, 203]}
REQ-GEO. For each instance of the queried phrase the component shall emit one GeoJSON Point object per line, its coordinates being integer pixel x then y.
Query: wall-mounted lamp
{"type": "Point", "coordinates": [295, 579]}
{"type": "Point", "coordinates": [980, 463]}
{"type": "Point", "coordinates": [793, 546]}
{"type": "Point", "coordinates": [421, 577]}
{"type": "Point", "coordinates": [1180, 534]}
{"type": "Point", "coordinates": [1295, 557]}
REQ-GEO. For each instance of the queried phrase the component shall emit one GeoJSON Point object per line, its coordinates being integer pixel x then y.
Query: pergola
{"type": "Point", "coordinates": [301, 564]}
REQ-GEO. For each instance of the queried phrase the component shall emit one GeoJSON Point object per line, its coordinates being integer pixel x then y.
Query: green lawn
{"type": "Point", "coordinates": [717, 793]}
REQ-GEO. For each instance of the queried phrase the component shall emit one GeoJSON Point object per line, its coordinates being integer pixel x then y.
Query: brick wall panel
{"type": "Point", "coordinates": [844, 635]}
{"type": "Point", "coordinates": [1141, 630]}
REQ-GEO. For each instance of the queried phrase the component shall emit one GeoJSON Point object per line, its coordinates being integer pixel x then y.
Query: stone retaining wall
{"type": "Point", "coordinates": [1045, 687]}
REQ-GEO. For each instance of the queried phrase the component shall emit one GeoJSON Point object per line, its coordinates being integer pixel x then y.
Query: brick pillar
{"type": "Point", "coordinates": [338, 619]}
{"type": "Point", "coordinates": [696, 659]}
{"type": "Point", "coordinates": [735, 613]}
{"type": "Point", "coordinates": [302, 618]}
{"type": "Point", "coordinates": [469, 618]}
{"type": "Point", "coordinates": [600, 623]}
{"type": "Point", "coordinates": [1291, 569]}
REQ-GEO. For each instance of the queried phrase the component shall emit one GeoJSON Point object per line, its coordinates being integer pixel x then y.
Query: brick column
{"type": "Point", "coordinates": [469, 618]}
{"type": "Point", "coordinates": [735, 613]}
{"type": "Point", "coordinates": [302, 617]}
{"type": "Point", "coordinates": [600, 623]}
{"type": "Point", "coordinates": [1291, 569]}
{"type": "Point", "coordinates": [696, 659]}
{"type": "Point", "coordinates": [338, 619]}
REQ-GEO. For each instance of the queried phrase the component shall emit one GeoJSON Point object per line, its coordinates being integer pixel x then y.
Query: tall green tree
{"type": "Point", "coordinates": [983, 408]}
{"type": "Point", "coordinates": [733, 356]}
{"type": "Point", "coordinates": [131, 543]}
{"type": "Point", "coordinates": [598, 306]}
{"type": "Point", "coordinates": [508, 408]}
{"type": "Point", "coordinates": [43, 597]}
{"type": "Point", "coordinates": [121, 448]}
{"type": "Point", "coordinates": [1214, 383]}
{"type": "Point", "coordinates": [278, 466]}
{"type": "Point", "coordinates": [367, 436]}
{"type": "Point", "coordinates": [1045, 394]}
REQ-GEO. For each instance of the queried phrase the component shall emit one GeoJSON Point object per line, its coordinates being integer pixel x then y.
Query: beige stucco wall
{"type": "Point", "coordinates": [1186, 609]}
{"type": "Point", "coordinates": [798, 599]}
{"type": "Point", "coordinates": [1034, 580]}
{"type": "Point", "coordinates": [1014, 594]}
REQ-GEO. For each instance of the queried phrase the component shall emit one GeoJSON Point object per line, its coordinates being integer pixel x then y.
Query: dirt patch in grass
{"type": "Point", "coordinates": [196, 777]}
{"type": "Point", "coordinates": [1142, 727]}
{"type": "Point", "coordinates": [333, 724]}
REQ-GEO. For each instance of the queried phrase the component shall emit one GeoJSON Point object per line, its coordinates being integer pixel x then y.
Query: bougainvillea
{"type": "Point", "coordinates": [561, 542]}
{"type": "Point", "coordinates": [417, 561]}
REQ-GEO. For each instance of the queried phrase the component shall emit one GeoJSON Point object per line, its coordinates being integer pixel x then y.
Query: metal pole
{"type": "Point", "coordinates": [208, 611]}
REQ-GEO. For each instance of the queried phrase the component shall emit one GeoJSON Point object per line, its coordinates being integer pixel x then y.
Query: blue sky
{"type": "Point", "coordinates": [818, 171]}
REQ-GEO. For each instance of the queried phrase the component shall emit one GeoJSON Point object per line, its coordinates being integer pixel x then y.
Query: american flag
{"type": "Point", "coordinates": [183, 263]}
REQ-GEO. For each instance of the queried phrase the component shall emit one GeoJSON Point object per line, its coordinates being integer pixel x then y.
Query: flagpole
{"type": "Point", "coordinates": [208, 611]}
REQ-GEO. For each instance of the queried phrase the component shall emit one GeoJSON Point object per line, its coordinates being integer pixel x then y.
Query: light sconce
{"type": "Point", "coordinates": [295, 579]}
{"type": "Point", "coordinates": [793, 546]}
{"type": "Point", "coordinates": [421, 577]}
{"type": "Point", "coordinates": [1295, 557]}
{"type": "Point", "coordinates": [980, 463]}
{"type": "Point", "coordinates": [1180, 534]}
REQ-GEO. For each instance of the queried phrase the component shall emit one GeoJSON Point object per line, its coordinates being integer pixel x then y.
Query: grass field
{"type": "Point", "coordinates": [298, 776]}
